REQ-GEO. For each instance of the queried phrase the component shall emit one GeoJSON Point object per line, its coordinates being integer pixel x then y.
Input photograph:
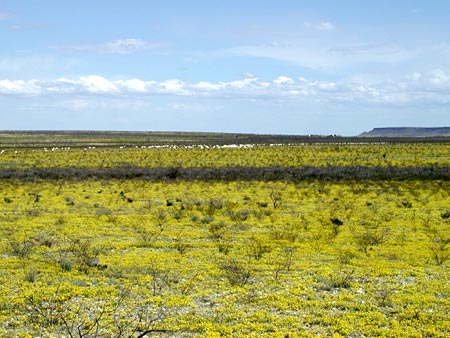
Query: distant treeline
{"type": "Point", "coordinates": [231, 173]}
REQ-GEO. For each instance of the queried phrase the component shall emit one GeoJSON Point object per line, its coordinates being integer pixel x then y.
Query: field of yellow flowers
{"type": "Point", "coordinates": [234, 258]}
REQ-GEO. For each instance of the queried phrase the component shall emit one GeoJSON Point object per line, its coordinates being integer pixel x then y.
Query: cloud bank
{"type": "Point", "coordinates": [432, 87]}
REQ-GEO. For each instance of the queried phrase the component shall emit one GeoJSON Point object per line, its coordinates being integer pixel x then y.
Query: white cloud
{"type": "Point", "coordinates": [133, 85]}
{"type": "Point", "coordinates": [129, 45]}
{"type": "Point", "coordinates": [97, 84]}
{"type": "Point", "coordinates": [431, 87]}
{"type": "Point", "coordinates": [173, 86]}
{"type": "Point", "coordinates": [121, 46]}
{"type": "Point", "coordinates": [282, 80]}
{"type": "Point", "coordinates": [20, 87]}
{"type": "Point", "coordinates": [248, 75]}
{"type": "Point", "coordinates": [242, 84]}
{"type": "Point", "coordinates": [439, 78]}
{"type": "Point", "coordinates": [208, 86]}
{"type": "Point", "coordinates": [322, 26]}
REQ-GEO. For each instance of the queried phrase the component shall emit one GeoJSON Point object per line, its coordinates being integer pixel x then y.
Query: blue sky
{"type": "Point", "coordinates": [286, 67]}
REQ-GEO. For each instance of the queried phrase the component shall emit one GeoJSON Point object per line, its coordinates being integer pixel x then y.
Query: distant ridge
{"type": "Point", "coordinates": [407, 132]}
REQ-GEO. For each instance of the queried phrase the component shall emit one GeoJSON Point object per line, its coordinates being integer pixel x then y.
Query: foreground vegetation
{"type": "Point", "coordinates": [278, 257]}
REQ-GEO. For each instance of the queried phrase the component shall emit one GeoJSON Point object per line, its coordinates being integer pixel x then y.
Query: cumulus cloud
{"type": "Point", "coordinates": [433, 86]}
{"type": "Point", "coordinates": [121, 46]}
{"type": "Point", "coordinates": [20, 87]}
{"type": "Point", "coordinates": [133, 85]}
{"type": "Point", "coordinates": [283, 80]}
{"type": "Point", "coordinates": [440, 78]}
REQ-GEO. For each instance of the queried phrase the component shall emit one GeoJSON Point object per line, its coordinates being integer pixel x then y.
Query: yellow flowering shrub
{"type": "Point", "coordinates": [337, 258]}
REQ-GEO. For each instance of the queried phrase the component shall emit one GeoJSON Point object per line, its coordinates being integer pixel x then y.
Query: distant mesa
{"type": "Point", "coordinates": [407, 132]}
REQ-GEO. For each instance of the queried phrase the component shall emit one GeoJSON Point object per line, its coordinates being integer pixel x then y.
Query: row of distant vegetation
{"type": "Point", "coordinates": [299, 240]}
{"type": "Point", "coordinates": [39, 139]}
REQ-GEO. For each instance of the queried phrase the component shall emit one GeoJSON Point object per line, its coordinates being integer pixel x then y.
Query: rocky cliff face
{"type": "Point", "coordinates": [407, 132]}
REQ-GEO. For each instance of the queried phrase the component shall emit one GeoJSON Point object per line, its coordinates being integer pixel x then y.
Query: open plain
{"type": "Point", "coordinates": [210, 235]}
